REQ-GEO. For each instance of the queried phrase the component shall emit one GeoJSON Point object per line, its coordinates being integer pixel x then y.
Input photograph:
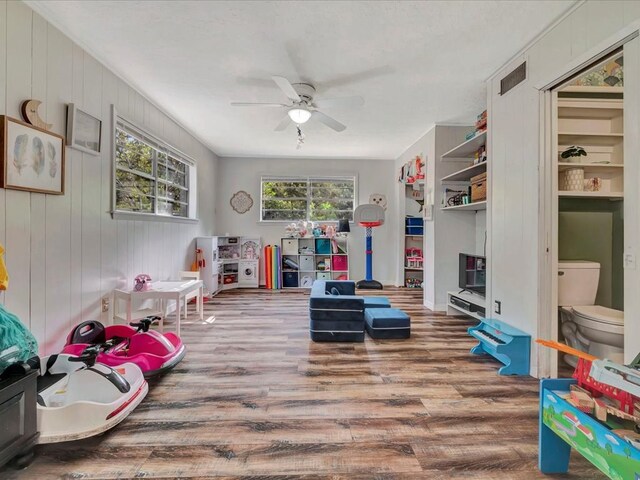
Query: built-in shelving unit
{"type": "Point", "coordinates": [413, 252]}
{"type": "Point", "coordinates": [595, 123]}
{"type": "Point", "coordinates": [460, 180]}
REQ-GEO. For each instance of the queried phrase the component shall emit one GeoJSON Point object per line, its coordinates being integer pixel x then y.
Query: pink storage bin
{"type": "Point", "coordinates": [340, 263]}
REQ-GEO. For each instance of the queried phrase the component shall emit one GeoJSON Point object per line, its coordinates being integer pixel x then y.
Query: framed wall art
{"type": "Point", "coordinates": [32, 158]}
{"type": "Point", "coordinates": [241, 202]}
{"type": "Point", "coordinates": [84, 131]}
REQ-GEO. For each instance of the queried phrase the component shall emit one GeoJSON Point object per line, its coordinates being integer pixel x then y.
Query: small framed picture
{"type": "Point", "coordinates": [84, 131]}
{"type": "Point", "coordinates": [32, 158]}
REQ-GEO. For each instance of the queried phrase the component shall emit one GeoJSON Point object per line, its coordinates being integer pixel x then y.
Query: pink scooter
{"type": "Point", "coordinates": [155, 353]}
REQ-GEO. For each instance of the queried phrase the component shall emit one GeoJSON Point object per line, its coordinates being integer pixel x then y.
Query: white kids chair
{"type": "Point", "coordinates": [188, 275]}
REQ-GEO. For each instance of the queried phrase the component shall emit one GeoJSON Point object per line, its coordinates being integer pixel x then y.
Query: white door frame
{"type": "Point", "coordinates": [548, 202]}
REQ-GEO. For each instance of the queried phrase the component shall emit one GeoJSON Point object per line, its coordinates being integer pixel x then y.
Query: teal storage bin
{"type": "Point", "coordinates": [323, 246]}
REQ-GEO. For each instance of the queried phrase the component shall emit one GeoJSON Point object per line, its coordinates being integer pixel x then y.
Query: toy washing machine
{"type": "Point", "coordinates": [248, 274]}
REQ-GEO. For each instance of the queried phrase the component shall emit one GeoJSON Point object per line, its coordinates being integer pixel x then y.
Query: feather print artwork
{"type": "Point", "coordinates": [19, 152]}
{"type": "Point", "coordinates": [37, 155]}
{"type": "Point", "coordinates": [51, 154]}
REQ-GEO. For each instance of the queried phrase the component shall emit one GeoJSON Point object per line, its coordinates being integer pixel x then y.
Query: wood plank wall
{"type": "Point", "coordinates": [64, 253]}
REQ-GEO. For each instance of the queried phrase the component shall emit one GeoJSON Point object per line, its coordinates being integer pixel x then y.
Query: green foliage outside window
{"type": "Point", "coordinates": [308, 199]}
{"type": "Point", "coordinates": [149, 180]}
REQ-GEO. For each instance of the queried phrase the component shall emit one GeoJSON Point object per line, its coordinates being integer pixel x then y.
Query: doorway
{"type": "Point", "coordinates": [588, 231]}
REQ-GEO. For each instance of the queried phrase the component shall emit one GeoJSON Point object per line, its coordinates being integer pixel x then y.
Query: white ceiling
{"type": "Point", "coordinates": [415, 63]}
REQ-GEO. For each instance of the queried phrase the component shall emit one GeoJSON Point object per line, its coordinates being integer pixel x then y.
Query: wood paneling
{"type": "Point", "coordinates": [254, 398]}
{"type": "Point", "coordinates": [64, 253]}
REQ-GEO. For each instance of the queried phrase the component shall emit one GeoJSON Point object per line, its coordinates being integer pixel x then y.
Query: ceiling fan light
{"type": "Point", "coordinates": [299, 115]}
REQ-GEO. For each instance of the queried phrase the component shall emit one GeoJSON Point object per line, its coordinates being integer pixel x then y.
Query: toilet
{"type": "Point", "coordinates": [591, 328]}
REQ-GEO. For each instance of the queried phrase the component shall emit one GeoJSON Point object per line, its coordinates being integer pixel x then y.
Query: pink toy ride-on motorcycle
{"type": "Point", "coordinates": [155, 353]}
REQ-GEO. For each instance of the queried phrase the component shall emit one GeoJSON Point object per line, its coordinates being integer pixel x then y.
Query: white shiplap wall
{"type": "Point", "coordinates": [514, 156]}
{"type": "Point", "coordinates": [64, 253]}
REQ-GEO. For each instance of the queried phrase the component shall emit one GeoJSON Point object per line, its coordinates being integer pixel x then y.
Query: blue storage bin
{"type": "Point", "coordinates": [290, 279]}
{"type": "Point", "coordinates": [415, 230]}
{"type": "Point", "coordinates": [414, 221]}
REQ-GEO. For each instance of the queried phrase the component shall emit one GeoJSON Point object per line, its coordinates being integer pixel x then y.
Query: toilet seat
{"type": "Point", "coordinates": [599, 318]}
{"type": "Point", "coordinates": [600, 314]}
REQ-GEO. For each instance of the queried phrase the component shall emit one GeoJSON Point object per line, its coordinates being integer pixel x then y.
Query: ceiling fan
{"type": "Point", "coordinates": [304, 106]}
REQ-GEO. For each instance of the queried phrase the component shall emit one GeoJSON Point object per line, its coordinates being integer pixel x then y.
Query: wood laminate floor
{"type": "Point", "coordinates": [256, 399]}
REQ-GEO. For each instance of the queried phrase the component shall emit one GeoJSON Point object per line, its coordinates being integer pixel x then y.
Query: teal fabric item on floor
{"type": "Point", "coordinates": [376, 302]}
{"type": "Point", "coordinates": [389, 323]}
{"type": "Point", "coordinates": [17, 343]}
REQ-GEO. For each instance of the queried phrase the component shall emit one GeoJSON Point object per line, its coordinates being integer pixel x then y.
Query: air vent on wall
{"type": "Point", "coordinates": [518, 75]}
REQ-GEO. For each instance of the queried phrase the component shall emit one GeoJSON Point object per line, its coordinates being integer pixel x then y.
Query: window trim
{"type": "Point", "coordinates": [307, 178]}
{"type": "Point", "coordinates": [159, 145]}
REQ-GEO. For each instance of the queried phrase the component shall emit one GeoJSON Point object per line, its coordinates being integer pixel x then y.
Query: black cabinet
{"type": "Point", "coordinates": [18, 416]}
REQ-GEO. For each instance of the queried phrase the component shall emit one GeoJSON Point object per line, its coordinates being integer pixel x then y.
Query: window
{"type": "Point", "coordinates": [151, 177]}
{"type": "Point", "coordinates": [307, 198]}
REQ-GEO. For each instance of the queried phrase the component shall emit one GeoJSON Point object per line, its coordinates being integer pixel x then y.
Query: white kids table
{"type": "Point", "coordinates": [163, 292]}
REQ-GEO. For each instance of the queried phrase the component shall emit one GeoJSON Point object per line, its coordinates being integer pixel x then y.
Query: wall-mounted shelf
{"type": "Point", "coordinates": [469, 207]}
{"type": "Point", "coordinates": [467, 149]}
{"type": "Point", "coordinates": [599, 167]}
{"type": "Point", "coordinates": [589, 138]}
{"type": "Point", "coordinates": [568, 194]}
{"type": "Point", "coordinates": [465, 174]}
{"type": "Point", "coordinates": [591, 89]}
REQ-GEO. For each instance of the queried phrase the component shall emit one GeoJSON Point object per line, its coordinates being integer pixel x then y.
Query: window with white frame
{"type": "Point", "coordinates": [150, 176]}
{"type": "Point", "coordinates": [307, 198]}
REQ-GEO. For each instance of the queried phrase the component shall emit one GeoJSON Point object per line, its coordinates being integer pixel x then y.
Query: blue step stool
{"type": "Point", "coordinates": [387, 323]}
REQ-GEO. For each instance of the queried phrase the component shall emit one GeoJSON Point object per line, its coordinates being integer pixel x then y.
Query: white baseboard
{"type": "Point", "coordinates": [435, 307]}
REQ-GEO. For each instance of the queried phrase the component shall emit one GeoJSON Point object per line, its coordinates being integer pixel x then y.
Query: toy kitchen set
{"type": "Point", "coordinates": [228, 262]}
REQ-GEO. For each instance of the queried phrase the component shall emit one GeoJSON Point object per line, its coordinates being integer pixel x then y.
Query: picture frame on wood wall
{"type": "Point", "coordinates": [32, 158]}
{"type": "Point", "coordinates": [84, 131]}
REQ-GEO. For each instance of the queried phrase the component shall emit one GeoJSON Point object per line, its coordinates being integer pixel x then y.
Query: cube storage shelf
{"type": "Point", "coordinates": [313, 258]}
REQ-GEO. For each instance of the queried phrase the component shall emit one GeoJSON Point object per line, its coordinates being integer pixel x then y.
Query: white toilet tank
{"type": "Point", "coordinates": [577, 282]}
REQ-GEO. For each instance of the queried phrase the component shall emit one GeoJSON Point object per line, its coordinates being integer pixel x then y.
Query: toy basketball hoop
{"type": "Point", "coordinates": [369, 216]}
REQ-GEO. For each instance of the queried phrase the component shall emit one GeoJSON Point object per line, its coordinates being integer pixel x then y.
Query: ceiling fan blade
{"type": "Point", "coordinates": [339, 102]}
{"type": "Point", "coordinates": [287, 88]}
{"type": "Point", "coordinates": [250, 104]}
{"type": "Point", "coordinates": [328, 121]}
{"type": "Point", "coordinates": [283, 124]}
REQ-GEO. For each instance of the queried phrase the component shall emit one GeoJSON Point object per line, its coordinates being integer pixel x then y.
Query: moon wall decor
{"type": "Point", "coordinates": [29, 110]}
